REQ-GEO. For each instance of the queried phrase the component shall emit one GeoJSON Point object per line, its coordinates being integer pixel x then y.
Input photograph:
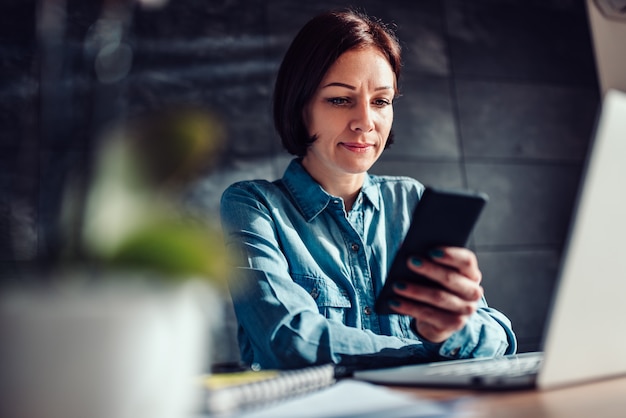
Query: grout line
{"type": "Point", "coordinates": [454, 97]}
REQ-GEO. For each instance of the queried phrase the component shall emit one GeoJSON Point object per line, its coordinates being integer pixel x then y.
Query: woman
{"type": "Point", "coordinates": [315, 245]}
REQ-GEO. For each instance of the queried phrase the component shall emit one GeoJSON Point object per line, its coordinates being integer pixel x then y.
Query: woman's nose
{"type": "Point", "coordinates": [362, 118]}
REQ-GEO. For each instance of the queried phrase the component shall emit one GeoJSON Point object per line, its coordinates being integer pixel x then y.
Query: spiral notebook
{"type": "Point", "coordinates": [227, 393]}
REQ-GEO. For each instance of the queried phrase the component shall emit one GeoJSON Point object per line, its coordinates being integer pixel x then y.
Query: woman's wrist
{"type": "Point", "coordinates": [427, 342]}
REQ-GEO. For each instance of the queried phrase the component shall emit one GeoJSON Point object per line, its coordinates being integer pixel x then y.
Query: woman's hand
{"type": "Point", "coordinates": [440, 311]}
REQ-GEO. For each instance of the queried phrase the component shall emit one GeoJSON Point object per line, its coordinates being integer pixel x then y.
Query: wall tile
{"type": "Point", "coordinates": [247, 115]}
{"type": "Point", "coordinates": [243, 106]}
{"type": "Point", "coordinates": [6, 240]}
{"type": "Point", "coordinates": [424, 123]}
{"type": "Point", "coordinates": [520, 40]}
{"type": "Point", "coordinates": [286, 17]}
{"type": "Point", "coordinates": [193, 19]}
{"type": "Point", "coordinates": [217, 58]}
{"type": "Point", "coordinates": [58, 172]}
{"type": "Point", "coordinates": [529, 205]}
{"type": "Point", "coordinates": [525, 121]}
{"type": "Point", "coordinates": [521, 284]}
{"type": "Point", "coordinates": [19, 187]}
{"type": "Point", "coordinates": [420, 28]}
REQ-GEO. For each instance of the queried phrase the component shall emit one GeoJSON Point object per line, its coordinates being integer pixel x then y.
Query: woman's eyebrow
{"type": "Point", "coordinates": [350, 87]}
{"type": "Point", "coordinates": [338, 84]}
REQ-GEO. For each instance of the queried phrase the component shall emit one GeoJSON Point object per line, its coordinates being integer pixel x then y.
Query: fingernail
{"type": "Point", "coordinates": [400, 285]}
{"type": "Point", "coordinates": [436, 253]}
{"type": "Point", "coordinates": [416, 262]}
{"type": "Point", "coordinates": [394, 302]}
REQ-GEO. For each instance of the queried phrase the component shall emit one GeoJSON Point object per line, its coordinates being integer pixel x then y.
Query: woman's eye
{"type": "Point", "coordinates": [337, 101]}
{"type": "Point", "coordinates": [382, 102]}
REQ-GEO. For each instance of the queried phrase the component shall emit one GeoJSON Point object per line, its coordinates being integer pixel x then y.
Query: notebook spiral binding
{"type": "Point", "coordinates": [286, 384]}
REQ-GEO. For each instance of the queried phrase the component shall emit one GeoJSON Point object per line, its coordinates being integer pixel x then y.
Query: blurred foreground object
{"type": "Point", "coordinates": [116, 349]}
{"type": "Point", "coordinates": [132, 215]}
{"type": "Point", "coordinates": [124, 323]}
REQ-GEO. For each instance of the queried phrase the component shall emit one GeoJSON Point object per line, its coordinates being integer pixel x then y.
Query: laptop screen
{"type": "Point", "coordinates": [585, 334]}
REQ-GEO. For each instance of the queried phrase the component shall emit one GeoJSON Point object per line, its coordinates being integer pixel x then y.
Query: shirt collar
{"type": "Point", "coordinates": [371, 192]}
{"type": "Point", "coordinates": [310, 197]}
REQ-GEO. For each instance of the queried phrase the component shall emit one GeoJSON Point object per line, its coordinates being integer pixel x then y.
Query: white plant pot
{"type": "Point", "coordinates": [112, 350]}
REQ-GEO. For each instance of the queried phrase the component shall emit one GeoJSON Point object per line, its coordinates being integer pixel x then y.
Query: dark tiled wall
{"type": "Point", "coordinates": [498, 95]}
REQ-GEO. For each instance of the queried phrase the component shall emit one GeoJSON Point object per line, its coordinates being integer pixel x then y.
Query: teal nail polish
{"type": "Point", "coordinates": [436, 253]}
{"type": "Point", "coordinates": [416, 262]}
{"type": "Point", "coordinates": [394, 302]}
{"type": "Point", "coordinates": [400, 285]}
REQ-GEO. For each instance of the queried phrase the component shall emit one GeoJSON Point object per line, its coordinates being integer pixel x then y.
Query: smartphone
{"type": "Point", "coordinates": [442, 217]}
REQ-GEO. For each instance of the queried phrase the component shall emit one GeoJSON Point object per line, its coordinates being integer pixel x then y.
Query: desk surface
{"type": "Point", "coordinates": [600, 399]}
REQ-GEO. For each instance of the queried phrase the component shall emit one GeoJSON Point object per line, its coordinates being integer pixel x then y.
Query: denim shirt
{"type": "Point", "coordinates": [308, 274]}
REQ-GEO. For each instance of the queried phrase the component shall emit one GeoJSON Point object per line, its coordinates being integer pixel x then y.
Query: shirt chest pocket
{"type": "Point", "coordinates": [332, 301]}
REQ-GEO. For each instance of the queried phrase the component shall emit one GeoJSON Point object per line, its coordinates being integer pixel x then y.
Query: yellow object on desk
{"type": "Point", "coordinates": [225, 380]}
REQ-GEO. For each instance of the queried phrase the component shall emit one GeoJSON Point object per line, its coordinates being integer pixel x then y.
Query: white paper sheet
{"type": "Point", "coordinates": [351, 398]}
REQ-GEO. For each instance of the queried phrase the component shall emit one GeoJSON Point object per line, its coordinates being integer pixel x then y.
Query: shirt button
{"type": "Point", "coordinates": [314, 293]}
{"type": "Point", "coordinates": [355, 247]}
{"type": "Point", "coordinates": [367, 310]}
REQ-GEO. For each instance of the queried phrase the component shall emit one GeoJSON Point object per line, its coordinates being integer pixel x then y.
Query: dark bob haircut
{"type": "Point", "coordinates": [312, 52]}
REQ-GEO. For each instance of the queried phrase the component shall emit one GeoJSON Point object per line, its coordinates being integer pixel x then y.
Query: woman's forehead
{"type": "Point", "coordinates": [356, 66]}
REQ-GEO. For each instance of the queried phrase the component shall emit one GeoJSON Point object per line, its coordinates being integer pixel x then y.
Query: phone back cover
{"type": "Point", "coordinates": [441, 218]}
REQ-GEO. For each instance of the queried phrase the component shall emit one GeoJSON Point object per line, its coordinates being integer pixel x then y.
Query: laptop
{"type": "Point", "coordinates": [585, 333]}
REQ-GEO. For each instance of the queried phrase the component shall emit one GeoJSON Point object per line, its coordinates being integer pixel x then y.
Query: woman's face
{"type": "Point", "coordinates": [351, 114]}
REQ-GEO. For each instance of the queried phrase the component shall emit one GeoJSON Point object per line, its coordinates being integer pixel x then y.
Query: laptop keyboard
{"type": "Point", "coordinates": [499, 366]}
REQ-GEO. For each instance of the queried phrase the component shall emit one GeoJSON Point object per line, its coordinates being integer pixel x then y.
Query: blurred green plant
{"type": "Point", "coordinates": [132, 217]}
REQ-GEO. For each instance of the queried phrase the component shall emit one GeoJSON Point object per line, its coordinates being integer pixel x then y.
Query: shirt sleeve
{"type": "Point", "coordinates": [488, 333]}
{"type": "Point", "coordinates": [280, 320]}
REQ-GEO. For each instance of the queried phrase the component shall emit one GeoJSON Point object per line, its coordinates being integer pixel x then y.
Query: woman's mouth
{"type": "Point", "coordinates": [356, 146]}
